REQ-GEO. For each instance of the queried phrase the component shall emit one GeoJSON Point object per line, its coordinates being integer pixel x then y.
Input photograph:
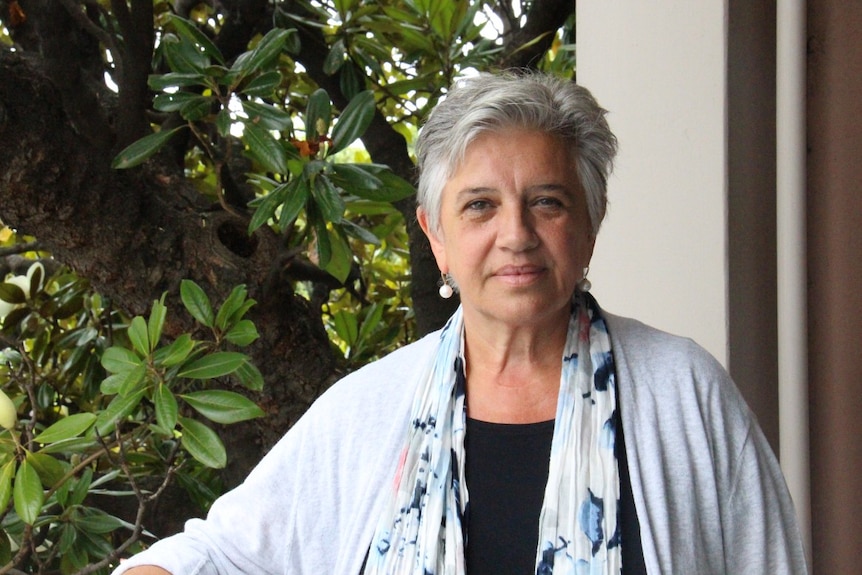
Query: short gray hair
{"type": "Point", "coordinates": [528, 100]}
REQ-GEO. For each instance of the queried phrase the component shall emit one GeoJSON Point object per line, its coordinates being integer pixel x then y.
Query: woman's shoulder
{"type": "Point", "coordinates": [387, 382]}
{"type": "Point", "coordinates": [643, 347]}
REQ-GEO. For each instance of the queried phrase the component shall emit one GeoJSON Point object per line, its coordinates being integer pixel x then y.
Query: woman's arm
{"type": "Point", "coordinates": [147, 570]}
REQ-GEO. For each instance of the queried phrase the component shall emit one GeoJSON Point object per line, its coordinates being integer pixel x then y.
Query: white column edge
{"type": "Point", "coordinates": [791, 256]}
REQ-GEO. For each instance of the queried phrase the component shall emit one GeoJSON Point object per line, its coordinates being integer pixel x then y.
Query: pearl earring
{"type": "Point", "coordinates": [445, 290]}
{"type": "Point", "coordinates": [584, 284]}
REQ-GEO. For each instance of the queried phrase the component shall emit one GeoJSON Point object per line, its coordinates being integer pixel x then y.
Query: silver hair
{"type": "Point", "coordinates": [524, 100]}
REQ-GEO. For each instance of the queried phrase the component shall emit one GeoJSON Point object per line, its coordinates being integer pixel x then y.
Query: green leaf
{"type": "Point", "coordinates": [119, 409]}
{"type": "Point", "coordinates": [117, 359]}
{"type": "Point", "coordinates": [190, 32]}
{"type": "Point", "coordinates": [350, 79]}
{"type": "Point", "coordinates": [355, 177]}
{"type": "Point", "coordinates": [263, 148]}
{"type": "Point", "coordinates": [318, 115]}
{"type": "Point", "coordinates": [328, 199]}
{"type": "Point", "coordinates": [294, 202]}
{"type": "Point", "coordinates": [195, 109]}
{"type": "Point", "coordinates": [269, 48]}
{"type": "Point", "coordinates": [214, 365]}
{"type": "Point", "coordinates": [159, 82]}
{"type": "Point", "coordinates": [11, 293]}
{"type": "Point", "coordinates": [243, 333]}
{"type": "Point", "coordinates": [66, 428]}
{"type": "Point", "coordinates": [196, 302]}
{"type": "Point", "coordinates": [266, 116]}
{"type": "Point", "coordinates": [346, 326]}
{"type": "Point", "coordinates": [140, 151]}
{"type": "Point", "coordinates": [334, 58]}
{"type": "Point", "coordinates": [341, 257]}
{"type": "Point", "coordinates": [167, 409]}
{"type": "Point", "coordinates": [27, 493]}
{"type": "Point", "coordinates": [223, 122]}
{"type": "Point", "coordinates": [353, 122]}
{"type": "Point", "coordinates": [223, 406]}
{"type": "Point", "coordinates": [183, 56]}
{"type": "Point", "coordinates": [231, 305]}
{"type": "Point", "coordinates": [250, 376]}
{"type": "Point", "coordinates": [156, 322]}
{"type": "Point", "coordinates": [176, 353]}
{"type": "Point", "coordinates": [203, 443]}
{"type": "Point", "coordinates": [270, 203]}
{"type": "Point", "coordinates": [6, 475]}
{"type": "Point", "coordinates": [359, 233]}
{"type": "Point", "coordinates": [124, 382]}
{"type": "Point", "coordinates": [264, 85]}
{"type": "Point", "coordinates": [51, 470]}
{"type": "Point", "coordinates": [96, 521]}
{"type": "Point", "coordinates": [82, 487]}
{"type": "Point", "coordinates": [321, 238]}
{"type": "Point", "coordinates": [371, 321]}
{"type": "Point", "coordinates": [138, 336]}
{"type": "Point", "coordinates": [175, 101]}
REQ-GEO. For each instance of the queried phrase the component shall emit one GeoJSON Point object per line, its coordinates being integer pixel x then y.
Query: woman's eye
{"type": "Point", "coordinates": [478, 205]}
{"type": "Point", "coordinates": [549, 202]}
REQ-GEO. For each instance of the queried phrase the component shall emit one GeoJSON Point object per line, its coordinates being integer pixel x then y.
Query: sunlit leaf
{"type": "Point", "coordinates": [66, 428]}
{"type": "Point", "coordinates": [214, 365]}
{"type": "Point", "coordinates": [223, 406]}
{"type": "Point", "coordinates": [166, 406]}
{"type": "Point", "coordinates": [27, 493]}
{"type": "Point", "coordinates": [139, 336]}
{"type": "Point", "coordinates": [203, 443]}
{"type": "Point", "coordinates": [6, 475]}
{"type": "Point", "coordinates": [196, 302]}
{"type": "Point", "coordinates": [50, 469]}
{"type": "Point", "coordinates": [119, 409]}
{"type": "Point", "coordinates": [243, 333]}
{"type": "Point", "coordinates": [250, 376]}
{"type": "Point", "coordinates": [117, 359]}
{"type": "Point", "coordinates": [176, 353]}
{"type": "Point", "coordinates": [156, 322]}
{"type": "Point", "coordinates": [231, 305]}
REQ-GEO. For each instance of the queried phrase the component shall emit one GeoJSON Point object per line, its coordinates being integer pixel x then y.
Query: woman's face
{"type": "Point", "coordinates": [514, 229]}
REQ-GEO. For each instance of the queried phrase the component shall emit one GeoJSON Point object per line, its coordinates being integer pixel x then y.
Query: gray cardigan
{"type": "Point", "coordinates": [709, 494]}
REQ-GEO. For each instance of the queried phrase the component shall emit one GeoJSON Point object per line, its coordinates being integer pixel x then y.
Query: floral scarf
{"type": "Point", "coordinates": [420, 530]}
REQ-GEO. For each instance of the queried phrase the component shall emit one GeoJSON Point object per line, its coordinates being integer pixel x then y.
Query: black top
{"type": "Point", "coordinates": [507, 469]}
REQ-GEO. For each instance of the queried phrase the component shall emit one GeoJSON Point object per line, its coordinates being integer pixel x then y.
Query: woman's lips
{"type": "Point", "coordinates": [519, 274]}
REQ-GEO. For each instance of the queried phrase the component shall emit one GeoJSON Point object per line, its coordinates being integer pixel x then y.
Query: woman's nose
{"type": "Point", "coordinates": [516, 230]}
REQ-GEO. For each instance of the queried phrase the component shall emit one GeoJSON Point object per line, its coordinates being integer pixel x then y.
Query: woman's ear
{"type": "Point", "coordinates": [437, 245]}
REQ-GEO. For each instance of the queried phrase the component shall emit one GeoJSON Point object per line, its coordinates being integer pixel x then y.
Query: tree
{"type": "Point", "coordinates": [247, 100]}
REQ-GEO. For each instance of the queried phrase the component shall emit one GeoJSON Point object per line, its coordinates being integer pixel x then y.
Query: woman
{"type": "Point", "coordinates": [496, 444]}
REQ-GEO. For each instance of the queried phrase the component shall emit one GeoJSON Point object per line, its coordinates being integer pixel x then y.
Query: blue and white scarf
{"type": "Point", "coordinates": [420, 530]}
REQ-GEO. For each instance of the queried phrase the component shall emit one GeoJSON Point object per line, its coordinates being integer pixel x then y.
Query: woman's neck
{"type": "Point", "coordinates": [513, 375]}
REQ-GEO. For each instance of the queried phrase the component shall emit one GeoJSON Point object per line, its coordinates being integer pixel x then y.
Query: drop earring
{"type": "Point", "coordinates": [584, 284]}
{"type": "Point", "coordinates": [445, 290]}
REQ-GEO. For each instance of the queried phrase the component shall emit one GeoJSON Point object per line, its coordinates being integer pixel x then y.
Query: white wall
{"type": "Point", "coordinates": [659, 68]}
